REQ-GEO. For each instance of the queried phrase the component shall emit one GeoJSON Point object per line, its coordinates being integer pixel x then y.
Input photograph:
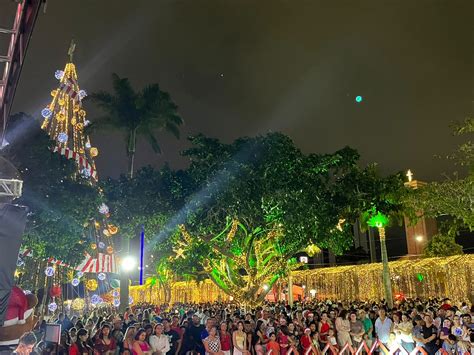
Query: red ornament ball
{"type": "Point", "coordinates": [55, 291]}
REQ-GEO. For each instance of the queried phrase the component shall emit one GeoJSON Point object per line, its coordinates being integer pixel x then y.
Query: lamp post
{"type": "Point", "coordinates": [379, 221]}
{"type": "Point", "coordinates": [127, 264]}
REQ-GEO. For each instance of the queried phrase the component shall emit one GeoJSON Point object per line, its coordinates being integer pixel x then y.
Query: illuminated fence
{"type": "Point", "coordinates": [424, 278]}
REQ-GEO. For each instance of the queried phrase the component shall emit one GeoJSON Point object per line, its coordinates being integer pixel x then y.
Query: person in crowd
{"type": "Point", "coordinates": [159, 342]}
{"type": "Point", "coordinates": [225, 338]}
{"type": "Point", "coordinates": [173, 336]}
{"type": "Point", "coordinates": [128, 340]}
{"type": "Point", "coordinates": [105, 344]}
{"type": "Point", "coordinates": [343, 328]}
{"type": "Point", "coordinates": [212, 342]}
{"type": "Point", "coordinates": [356, 329]}
{"type": "Point", "coordinates": [273, 348]}
{"type": "Point", "coordinates": [239, 339]}
{"type": "Point", "coordinates": [383, 326]}
{"type": "Point", "coordinates": [81, 346]}
{"type": "Point", "coordinates": [404, 333]}
{"type": "Point", "coordinates": [140, 346]}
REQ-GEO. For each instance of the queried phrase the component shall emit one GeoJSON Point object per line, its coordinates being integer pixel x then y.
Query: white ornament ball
{"type": "Point", "coordinates": [62, 137]}
{"type": "Point", "coordinates": [52, 306]}
{"type": "Point", "coordinates": [101, 276]}
{"type": "Point", "coordinates": [75, 282]}
{"type": "Point", "coordinates": [49, 271]}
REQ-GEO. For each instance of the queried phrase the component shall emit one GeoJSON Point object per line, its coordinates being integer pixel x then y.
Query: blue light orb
{"type": "Point", "coordinates": [116, 302]}
{"type": "Point", "coordinates": [75, 282]}
{"type": "Point", "coordinates": [115, 293]}
{"type": "Point", "coordinates": [101, 276]}
{"type": "Point", "coordinates": [359, 98]}
{"type": "Point", "coordinates": [52, 306]}
{"type": "Point", "coordinates": [86, 173]}
{"type": "Point", "coordinates": [62, 137]}
{"type": "Point", "coordinates": [46, 112]}
{"type": "Point", "coordinates": [130, 300]}
{"type": "Point", "coordinates": [101, 245]}
{"type": "Point", "coordinates": [58, 74]}
{"type": "Point", "coordinates": [82, 94]}
{"type": "Point", "coordinates": [95, 299]}
{"type": "Point", "coordinates": [49, 271]}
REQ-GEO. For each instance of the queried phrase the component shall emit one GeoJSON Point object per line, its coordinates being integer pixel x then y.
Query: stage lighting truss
{"type": "Point", "coordinates": [11, 188]}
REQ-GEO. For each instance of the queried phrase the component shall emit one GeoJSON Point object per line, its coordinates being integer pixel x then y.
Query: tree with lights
{"type": "Point", "coordinates": [55, 227]}
{"type": "Point", "coordinates": [244, 264]}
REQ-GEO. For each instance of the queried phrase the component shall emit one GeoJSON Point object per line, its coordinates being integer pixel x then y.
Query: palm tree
{"type": "Point", "coordinates": [138, 113]}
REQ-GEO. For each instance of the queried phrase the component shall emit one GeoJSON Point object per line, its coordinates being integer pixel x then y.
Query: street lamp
{"type": "Point", "coordinates": [380, 221]}
{"type": "Point", "coordinates": [128, 263]}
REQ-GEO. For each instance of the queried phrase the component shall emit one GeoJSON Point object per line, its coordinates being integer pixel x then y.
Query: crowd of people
{"type": "Point", "coordinates": [278, 329]}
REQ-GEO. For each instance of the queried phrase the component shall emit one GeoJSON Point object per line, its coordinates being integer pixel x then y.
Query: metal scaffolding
{"type": "Point", "coordinates": [24, 20]}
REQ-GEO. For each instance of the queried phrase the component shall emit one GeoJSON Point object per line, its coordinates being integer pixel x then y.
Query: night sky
{"type": "Point", "coordinates": [238, 67]}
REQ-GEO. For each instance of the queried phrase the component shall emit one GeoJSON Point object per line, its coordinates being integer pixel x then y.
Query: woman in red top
{"type": "Point", "coordinates": [104, 344]}
{"type": "Point", "coordinates": [80, 347]}
{"type": "Point", "coordinates": [323, 329]}
{"type": "Point", "coordinates": [226, 339]}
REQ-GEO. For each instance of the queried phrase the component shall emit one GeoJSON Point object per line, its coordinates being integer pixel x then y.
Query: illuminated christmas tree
{"type": "Point", "coordinates": [65, 120]}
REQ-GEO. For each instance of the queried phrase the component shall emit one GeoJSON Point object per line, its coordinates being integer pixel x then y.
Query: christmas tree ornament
{"type": "Point", "coordinates": [55, 291]}
{"type": "Point", "coordinates": [78, 304]}
{"type": "Point", "coordinates": [62, 137]}
{"type": "Point", "coordinates": [58, 74]}
{"type": "Point", "coordinates": [46, 113]}
{"type": "Point", "coordinates": [101, 276]}
{"type": "Point", "coordinates": [49, 271]}
{"type": "Point", "coordinates": [75, 282]}
{"type": "Point", "coordinates": [92, 285]}
{"type": "Point", "coordinates": [103, 209]}
{"type": "Point", "coordinates": [52, 306]}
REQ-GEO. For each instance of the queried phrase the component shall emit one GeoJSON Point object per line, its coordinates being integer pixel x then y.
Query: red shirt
{"type": "Point", "coordinates": [305, 342]}
{"type": "Point", "coordinates": [274, 347]}
{"type": "Point", "coordinates": [225, 342]}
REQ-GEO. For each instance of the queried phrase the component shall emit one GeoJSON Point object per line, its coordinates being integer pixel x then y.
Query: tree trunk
{"type": "Point", "coordinates": [387, 282]}
{"type": "Point", "coordinates": [373, 258]}
{"type": "Point", "coordinates": [131, 147]}
{"type": "Point", "coordinates": [124, 294]}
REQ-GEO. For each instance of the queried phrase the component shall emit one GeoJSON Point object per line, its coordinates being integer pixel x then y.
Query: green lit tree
{"type": "Point", "coordinates": [244, 264]}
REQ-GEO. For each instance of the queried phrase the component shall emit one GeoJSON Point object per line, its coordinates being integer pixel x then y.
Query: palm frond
{"type": "Point", "coordinates": [153, 142]}
{"type": "Point", "coordinates": [173, 129]}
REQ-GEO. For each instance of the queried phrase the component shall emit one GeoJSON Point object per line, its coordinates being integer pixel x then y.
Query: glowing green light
{"type": "Point", "coordinates": [379, 220]}
{"type": "Point", "coordinates": [359, 98]}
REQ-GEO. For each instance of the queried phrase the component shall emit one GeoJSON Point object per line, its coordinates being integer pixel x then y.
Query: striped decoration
{"type": "Point", "coordinates": [103, 263]}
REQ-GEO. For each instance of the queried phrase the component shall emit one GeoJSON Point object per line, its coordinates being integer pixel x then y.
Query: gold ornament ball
{"type": "Point", "coordinates": [82, 113]}
{"type": "Point", "coordinates": [54, 92]}
{"type": "Point", "coordinates": [106, 233]}
{"type": "Point", "coordinates": [79, 126]}
{"type": "Point", "coordinates": [73, 121]}
{"type": "Point", "coordinates": [112, 229]}
{"type": "Point", "coordinates": [94, 152]}
{"type": "Point", "coordinates": [60, 117]}
{"type": "Point", "coordinates": [93, 246]}
{"type": "Point", "coordinates": [110, 250]}
{"type": "Point", "coordinates": [61, 102]}
{"type": "Point", "coordinates": [78, 304]}
{"type": "Point", "coordinates": [92, 285]}
{"type": "Point", "coordinates": [76, 108]}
